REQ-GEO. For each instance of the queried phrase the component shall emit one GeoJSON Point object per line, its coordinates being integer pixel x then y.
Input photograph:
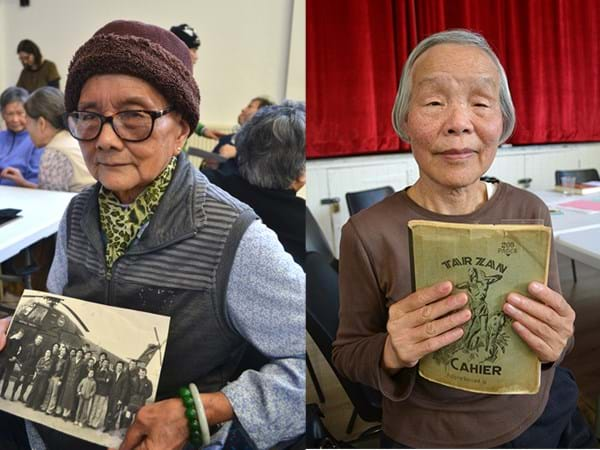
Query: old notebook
{"type": "Point", "coordinates": [487, 262]}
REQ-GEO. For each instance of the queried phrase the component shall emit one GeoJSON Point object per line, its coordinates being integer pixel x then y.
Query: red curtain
{"type": "Point", "coordinates": [356, 49]}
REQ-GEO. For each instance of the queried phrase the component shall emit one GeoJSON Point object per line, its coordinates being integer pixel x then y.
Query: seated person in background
{"type": "Point", "coordinates": [61, 166]}
{"type": "Point", "coordinates": [226, 145]}
{"type": "Point", "coordinates": [271, 159]}
{"type": "Point", "coordinates": [189, 37]}
{"type": "Point", "coordinates": [37, 72]}
{"type": "Point", "coordinates": [454, 107]}
{"type": "Point", "coordinates": [17, 150]}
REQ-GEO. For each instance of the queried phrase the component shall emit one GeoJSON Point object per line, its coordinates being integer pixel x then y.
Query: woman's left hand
{"type": "Point", "coordinates": [158, 426]}
{"type": "Point", "coordinates": [13, 174]}
{"type": "Point", "coordinates": [544, 322]}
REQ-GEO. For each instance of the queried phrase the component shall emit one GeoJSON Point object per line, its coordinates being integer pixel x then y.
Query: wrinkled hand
{"type": "Point", "coordinates": [422, 323]}
{"type": "Point", "coordinates": [158, 426]}
{"type": "Point", "coordinates": [4, 324]}
{"type": "Point", "coordinates": [212, 134]}
{"type": "Point", "coordinates": [13, 174]}
{"type": "Point", "coordinates": [544, 322]}
{"type": "Point", "coordinates": [228, 151]}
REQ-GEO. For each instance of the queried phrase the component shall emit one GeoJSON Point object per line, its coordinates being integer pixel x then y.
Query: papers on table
{"type": "Point", "coordinates": [588, 206]}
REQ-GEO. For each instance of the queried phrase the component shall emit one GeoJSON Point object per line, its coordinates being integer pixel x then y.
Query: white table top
{"type": "Point", "coordinates": [582, 246]}
{"type": "Point", "coordinates": [568, 221]}
{"type": "Point", "coordinates": [39, 218]}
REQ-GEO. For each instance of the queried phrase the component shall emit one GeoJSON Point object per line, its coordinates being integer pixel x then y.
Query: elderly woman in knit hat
{"type": "Point", "coordinates": [154, 235]}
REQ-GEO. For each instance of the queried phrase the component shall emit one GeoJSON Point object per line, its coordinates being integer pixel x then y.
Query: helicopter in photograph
{"type": "Point", "coordinates": [57, 322]}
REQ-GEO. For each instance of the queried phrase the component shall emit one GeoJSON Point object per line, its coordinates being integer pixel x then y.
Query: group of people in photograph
{"type": "Point", "coordinates": [75, 384]}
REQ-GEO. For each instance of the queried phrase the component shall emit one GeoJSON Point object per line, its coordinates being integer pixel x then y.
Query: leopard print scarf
{"type": "Point", "coordinates": [122, 223]}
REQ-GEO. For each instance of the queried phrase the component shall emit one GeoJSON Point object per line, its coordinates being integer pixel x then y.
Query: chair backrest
{"type": "Point", "coordinates": [315, 238]}
{"type": "Point", "coordinates": [363, 199]}
{"type": "Point", "coordinates": [322, 319]}
{"type": "Point", "coordinates": [581, 175]}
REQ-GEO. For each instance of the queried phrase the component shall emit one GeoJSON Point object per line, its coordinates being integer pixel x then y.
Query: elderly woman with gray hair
{"type": "Point", "coordinates": [271, 161]}
{"type": "Point", "coordinates": [61, 166]}
{"type": "Point", "coordinates": [17, 151]}
{"type": "Point", "coordinates": [454, 107]}
{"type": "Point", "coordinates": [154, 235]}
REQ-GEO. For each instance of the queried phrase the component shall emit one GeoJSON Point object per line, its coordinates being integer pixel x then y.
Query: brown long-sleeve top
{"type": "Point", "coordinates": [375, 272]}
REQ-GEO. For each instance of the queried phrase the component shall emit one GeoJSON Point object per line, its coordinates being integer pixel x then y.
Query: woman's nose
{"type": "Point", "coordinates": [459, 120]}
{"type": "Point", "coordinates": [107, 138]}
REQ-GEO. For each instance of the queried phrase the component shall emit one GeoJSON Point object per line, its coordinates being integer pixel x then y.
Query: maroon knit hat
{"type": "Point", "coordinates": [144, 51]}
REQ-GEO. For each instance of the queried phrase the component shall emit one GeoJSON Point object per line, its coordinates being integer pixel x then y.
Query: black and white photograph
{"type": "Point", "coordinates": [79, 367]}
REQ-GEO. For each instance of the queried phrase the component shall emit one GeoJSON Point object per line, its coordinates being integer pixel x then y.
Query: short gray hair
{"type": "Point", "coordinates": [271, 146]}
{"type": "Point", "coordinates": [11, 95]}
{"type": "Point", "coordinates": [49, 103]}
{"type": "Point", "coordinates": [459, 37]}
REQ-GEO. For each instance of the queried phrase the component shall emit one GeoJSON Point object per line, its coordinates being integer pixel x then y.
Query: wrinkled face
{"type": "Point", "coordinates": [126, 168]}
{"type": "Point", "coordinates": [14, 116]}
{"type": "Point", "coordinates": [248, 111]}
{"type": "Point", "coordinates": [454, 118]}
{"type": "Point", "coordinates": [27, 59]}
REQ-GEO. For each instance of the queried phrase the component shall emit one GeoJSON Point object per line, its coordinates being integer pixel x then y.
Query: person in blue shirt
{"type": "Point", "coordinates": [17, 151]}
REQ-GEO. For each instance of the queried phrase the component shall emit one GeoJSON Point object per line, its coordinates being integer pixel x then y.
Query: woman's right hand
{"type": "Point", "coordinates": [4, 324]}
{"type": "Point", "coordinates": [422, 323]}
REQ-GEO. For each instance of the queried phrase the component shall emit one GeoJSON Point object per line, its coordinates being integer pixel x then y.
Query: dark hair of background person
{"type": "Point", "coordinates": [49, 103]}
{"type": "Point", "coordinates": [13, 94]}
{"type": "Point", "coordinates": [271, 146]}
{"type": "Point", "coordinates": [30, 47]}
{"type": "Point", "coordinates": [262, 102]}
{"type": "Point", "coordinates": [187, 34]}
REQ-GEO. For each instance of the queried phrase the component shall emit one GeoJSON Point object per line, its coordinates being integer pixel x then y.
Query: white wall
{"type": "Point", "coordinates": [296, 79]}
{"type": "Point", "coordinates": [333, 178]}
{"type": "Point", "coordinates": [245, 48]}
{"type": "Point", "coordinates": [3, 46]}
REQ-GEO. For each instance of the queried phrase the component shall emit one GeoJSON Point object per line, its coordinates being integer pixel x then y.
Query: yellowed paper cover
{"type": "Point", "coordinates": [487, 262]}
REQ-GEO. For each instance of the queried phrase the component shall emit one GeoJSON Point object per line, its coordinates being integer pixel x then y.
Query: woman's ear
{"type": "Point", "coordinates": [299, 182]}
{"type": "Point", "coordinates": [42, 124]}
{"type": "Point", "coordinates": [184, 132]}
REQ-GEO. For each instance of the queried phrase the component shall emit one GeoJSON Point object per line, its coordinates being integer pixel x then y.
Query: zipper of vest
{"type": "Point", "coordinates": [109, 273]}
{"type": "Point", "coordinates": [160, 247]}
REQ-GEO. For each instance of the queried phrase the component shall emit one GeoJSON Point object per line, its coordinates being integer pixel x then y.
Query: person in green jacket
{"type": "Point", "coordinates": [190, 38]}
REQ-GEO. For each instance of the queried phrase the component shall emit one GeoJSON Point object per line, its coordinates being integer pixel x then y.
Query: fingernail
{"type": "Point", "coordinates": [508, 308]}
{"type": "Point", "coordinates": [514, 298]}
{"type": "Point", "coordinates": [445, 286]}
{"type": "Point", "coordinates": [535, 287]}
{"type": "Point", "coordinates": [458, 300]}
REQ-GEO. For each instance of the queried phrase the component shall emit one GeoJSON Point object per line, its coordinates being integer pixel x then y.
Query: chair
{"type": "Point", "coordinates": [581, 176]}
{"type": "Point", "coordinates": [315, 238]}
{"type": "Point", "coordinates": [363, 199]}
{"type": "Point", "coordinates": [317, 242]}
{"type": "Point", "coordinates": [322, 306]}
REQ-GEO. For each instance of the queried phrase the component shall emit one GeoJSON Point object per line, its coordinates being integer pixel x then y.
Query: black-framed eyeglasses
{"type": "Point", "coordinates": [131, 126]}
